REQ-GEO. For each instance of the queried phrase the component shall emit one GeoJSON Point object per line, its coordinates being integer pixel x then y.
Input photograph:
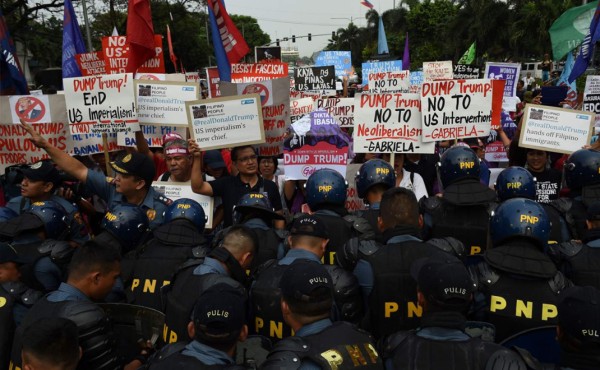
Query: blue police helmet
{"type": "Point", "coordinates": [520, 217]}
{"type": "Point", "coordinates": [54, 217]}
{"type": "Point", "coordinates": [458, 163]}
{"type": "Point", "coordinates": [325, 186]}
{"type": "Point", "coordinates": [374, 172]}
{"type": "Point", "coordinates": [582, 168]}
{"type": "Point", "coordinates": [188, 209]}
{"type": "Point", "coordinates": [515, 182]}
{"type": "Point", "coordinates": [126, 222]}
{"type": "Point", "coordinates": [7, 214]}
{"type": "Point", "coordinates": [256, 205]}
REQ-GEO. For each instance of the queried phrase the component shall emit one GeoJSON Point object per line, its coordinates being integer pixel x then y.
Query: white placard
{"type": "Point", "coordinates": [174, 191]}
{"type": "Point", "coordinates": [341, 109]}
{"type": "Point", "coordinates": [30, 108]}
{"type": "Point", "coordinates": [163, 103]}
{"type": "Point", "coordinates": [389, 82]}
{"type": "Point", "coordinates": [434, 71]}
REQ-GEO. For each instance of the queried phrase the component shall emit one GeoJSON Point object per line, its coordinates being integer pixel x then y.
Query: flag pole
{"type": "Point", "coordinates": [88, 34]}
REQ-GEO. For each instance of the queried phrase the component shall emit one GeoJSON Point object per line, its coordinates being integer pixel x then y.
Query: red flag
{"type": "Point", "coordinates": [140, 34]}
{"type": "Point", "coordinates": [171, 53]}
{"type": "Point", "coordinates": [234, 44]}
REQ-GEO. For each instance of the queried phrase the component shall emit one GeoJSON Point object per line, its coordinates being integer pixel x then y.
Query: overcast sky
{"type": "Point", "coordinates": [284, 18]}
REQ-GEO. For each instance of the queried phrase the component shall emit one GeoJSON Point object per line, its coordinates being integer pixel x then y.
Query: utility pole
{"type": "Point", "coordinates": [87, 26]}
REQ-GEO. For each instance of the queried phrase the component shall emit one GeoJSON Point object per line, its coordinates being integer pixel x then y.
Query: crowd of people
{"type": "Point", "coordinates": [442, 270]}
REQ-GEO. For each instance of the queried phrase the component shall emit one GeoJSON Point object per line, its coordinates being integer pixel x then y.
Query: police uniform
{"type": "Point", "coordinates": [340, 231]}
{"type": "Point", "coordinates": [193, 355]}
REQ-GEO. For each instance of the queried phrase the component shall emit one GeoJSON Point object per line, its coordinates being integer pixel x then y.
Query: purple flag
{"type": "Point", "coordinates": [72, 42]}
{"type": "Point", "coordinates": [406, 56]}
{"type": "Point", "coordinates": [12, 80]}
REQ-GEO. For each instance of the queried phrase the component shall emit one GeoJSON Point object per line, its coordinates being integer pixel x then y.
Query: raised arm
{"type": "Point", "coordinates": [142, 144]}
{"type": "Point", "coordinates": [67, 163]}
{"type": "Point", "coordinates": [198, 184]}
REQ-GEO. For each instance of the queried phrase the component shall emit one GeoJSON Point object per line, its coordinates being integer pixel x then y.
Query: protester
{"type": "Point", "coordinates": [424, 165]}
{"type": "Point", "coordinates": [548, 180]}
{"type": "Point", "coordinates": [179, 161]}
{"type": "Point", "coordinates": [406, 179]}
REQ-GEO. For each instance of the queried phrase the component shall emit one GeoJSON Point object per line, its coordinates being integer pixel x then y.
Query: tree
{"type": "Point", "coordinates": [251, 31]}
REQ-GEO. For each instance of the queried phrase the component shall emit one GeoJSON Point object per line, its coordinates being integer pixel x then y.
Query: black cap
{"type": "Point", "coordinates": [593, 212]}
{"type": "Point", "coordinates": [9, 254]}
{"type": "Point", "coordinates": [219, 314]}
{"type": "Point", "coordinates": [136, 164]}
{"type": "Point", "coordinates": [302, 278]}
{"type": "Point", "coordinates": [309, 225]}
{"type": "Point", "coordinates": [42, 171]}
{"type": "Point", "coordinates": [579, 313]}
{"type": "Point", "coordinates": [444, 280]}
{"type": "Point", "coordinates": [23, 222]}
{"type": "Point", "coordinates": [214, 159]}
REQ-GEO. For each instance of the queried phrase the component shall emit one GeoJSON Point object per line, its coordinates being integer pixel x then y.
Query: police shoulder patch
{"type": "Point", "coordinates": [164, 200]}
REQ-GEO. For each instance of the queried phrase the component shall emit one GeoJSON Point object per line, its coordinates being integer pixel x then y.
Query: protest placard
{"type": "Point", "coordinates": [314, 78]}
{"type": "Point", "coordinates": [378, 67]}
{"type": "Point", "coordinates": [300, 107]}
{"type": "Point", "coordinates": [116, 49]}
{"type": "Point", "coordinates": [389, 82]}
{"type": "Point", "coordinates": [263, 88]}
{"type": "Point", "coordinates": [591, 98]}
{"type": "Point", "coordinates": [341, 109]}
{"type": "Point", "coordinates": [226, 122]}
{"type": "Point", "coordinates": [177, 190]}
{"type": "Point", "coordinates": [504, 71]}
{"type": "Point", "coordinates": [304, 94]}
{"type": "Point", "coordinates": [267, 54]}
{"type": "Point", "coordinates": [30, 108]}
{"type": "Point", "coordinates": [389, 123]}
{"type": "Point", "coordinates": [495, 152]}
{"type": "Point", "coordinates": [152, 133]}
{"type": "Point", "coordinates": [416, 81]}
{"type": "Point", "coordinates": [213, 80]}
{"type": "Point", "coordinates": [163, 103]}
{"type": "Point", "coordinates": [315, 141]}
{"type": "Point", "coordinates": [340, 60]}
{"type": "Point", "coordinates": [101, 104]}
{"type": "Point", "coordinates": [92, 63]}
{"type": "Point", "coordinates": [434, 71]}
{"type": "Point", "coordinates": [555, 129]}
{"type": "Point", "coordinates": [353, 202]}
{"type": "Point", "coordinates": [242, 72]}
{"type": "Point", "coordinates": [465, 72]}
{"type": "Point", "coordinates": [456, 109]}
{"type": "Point", "coordinates": [192, 77]}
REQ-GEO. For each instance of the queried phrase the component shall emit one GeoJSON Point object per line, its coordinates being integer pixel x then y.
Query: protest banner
{"type": "Point", "coordinates": [435, 71]}
{"type": "Point", "coordinates": [340, 60]}
{"type": "Point", "coordinates": [315, 142]}
{"type": "Point", "coordinates": [341, 109]}
{"type": "Point", "coordinates": [152, 133]}
{"type": "Point", "coordinates": [177, 190]}
{"type": "Point", "coordinates": [226, 122]}
{"type": "Point", "coordinates": [314, 78]}
{"type": "Point", "coordinates": [92, 63]}
{"type": "Point", "coordinates": [267, 54]}
{"type": "Point", "coordinates": [192, 77]}
{"type": "Point", "coordinates": [591, 98]}
{"type": "Point", "coordinates": [300, 107]}
{"type": "Point", "coordinates": [555, 129]}
{"type": "Point", "coordinates": [497, 103]}
{"type": "Point", "coordinates": [213, 80]}
{"type": "Point", "coordinates": [495, 152]}
{"type": "Point", "coordinates": [243, 72]}
{"type": "Point", "coordinates": [389, 82]}
{"type": "Point", "coordinates": [101, 104]}
{"type": "Point", "coordinates": [389, 123]}
{"type": "Point", "coordinates": [163, 103]}
{"type": "Point", "coordinates": [276, 117]}
{"type": "Point", "coordinates": [304, 94]}
{"type": "Point", "coordinates": [30, 108]}
{"type": "Point", "coordinates": [504, 71]}
{"type": "Point", "coordinates": [353, 202]}
{"type": "Point", "coordinates": [378, 67]}
{"type": "Point", "coordinates": [116, 49]}
{"type": "Point", "coordinates": [465, 72]}
{"type": "Point", "coordinates": [262, 88]}
{"type": "Point", "coordinates": [416, 81]}
{"type": "Point", "coordinates": [456, 109]}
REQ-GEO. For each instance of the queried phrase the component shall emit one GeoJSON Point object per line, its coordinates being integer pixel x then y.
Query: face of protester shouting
{"type": "Point", "coordinates": [536, 160]}
{"type": "Point", "coordinates": [267, 168]}
{"type": "Point", "coordinates": [128, 185]}
{"type": "Point", "coordinates": [180, 167]}
{"type": "Point", "coordinates": [246, 162]}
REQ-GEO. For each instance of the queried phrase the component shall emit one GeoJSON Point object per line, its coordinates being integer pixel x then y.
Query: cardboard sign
{"type": "Point", "coordinates": [315, 142]}
{"type": "Point", "coordinates": [267, 54]}
{"type": "Point", "coordinates": [353, 202]}
{"type": "Point", "coordinates": [163, 103]}
{"type": "Point", "coordinates": [369, 68]}
{"type": "Point", "coordinates": [304, 94]}
{"type": "Point", "coordinates": [213, 80]}
{"type": "Point", "coordinates": [456, 109]}
{"type": "Point", "coordinates": [555, 129]}
{"type": "Point", "coordinates": [256, 72]}
{"type": "Point", "coordinates": [176, 190]}
{"type": "Point", "coordinates": [340, 60]}
{"type": "Point", "coordinates": [465, 72]}
{"type": "Point", "coordinates": [91, 64]}
{"type": "Point", "coordinates": [101, 104]}
{"type": "Point", "coordinates": [416, 81]}
{"type": "Point", "coordinates": [504, 71]}
{"type": "Point", "coordinates": [300, 107]}
{"type": "Point", "coordinates": [591, 98]}
{"type": "Point", "coordinates": [116, 49]}
{"type": "Point", "coordinates": [263, 88]}
{"type": "Point", "coordinates": [314, 78]}
{"type": "Point", "coordinates": [30, 108]}
{"type": "Point", "coordinates": [152, 133]}
{"type": "Point", "coordinates": [86, 144]}
{"type": "Point", "coordinates": [389, 123]}
{"type": "Point", "coordinates": [341, 109]}
{"type": "Point", "coordinates": [495, 152]}
{"type": "Point", "coordinates": [434, 71]}
{"type": "Point", "coordinates": [389, 82]}
{"type": "Point", "coordinates": [226, 122]}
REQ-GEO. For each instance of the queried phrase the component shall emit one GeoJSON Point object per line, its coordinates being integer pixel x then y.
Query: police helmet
{"type": "Point", "coordinates": [53, 216]}
{"type": "Point", "coordinates": [520, 217]}
{"type": "Point", "coordinates": [325, 186]}
{"type": "Point", "coordinates": [582, 168]}
{"type": "Point", "coordinates": [188, 209]}
{"type": "Point", "coordinates": [126, 222]}
{"type": "Point", "coordinates": [256, 204]}
{"type": "Point", "coordinates": [7, 214]}
{"type": "Point", "coordinates": [374, 172]}
{"type": "Point", "coordinates": [515, 182]}
{"type": "Point", "coordinates": [457, 163]}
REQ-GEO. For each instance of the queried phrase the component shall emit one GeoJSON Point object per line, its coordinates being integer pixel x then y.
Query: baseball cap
{"type": "Point", "coordinates": [444, 280]}
{"type": "Point", "coordinates": [219, 314]}
{"type": "Point", "coordinates": [214, 159]}
{"type": "Point", "coordinates": [593, 212]}
{"type": "Point", "coordinates": [42, 171]}
{"type": "Point", "coordinates": [310, 226]}
{"type": "Point", "coordinates": [301, 280]}
{"type": "Point", "coordinates": [170, 137]}
{"type": "Point", "coordinates": [136, 164]}
{"type": "Point", "coordinates": [579, 313]}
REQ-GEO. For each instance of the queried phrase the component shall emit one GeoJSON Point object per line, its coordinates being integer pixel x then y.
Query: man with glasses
{"type": "Point", "coordinates": [232, 188]}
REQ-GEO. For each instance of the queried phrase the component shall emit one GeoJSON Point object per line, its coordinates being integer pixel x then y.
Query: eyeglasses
{"type": "Point", "coordinates": [250, 158]}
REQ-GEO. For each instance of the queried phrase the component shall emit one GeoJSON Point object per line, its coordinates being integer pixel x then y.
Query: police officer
{"type": "Point", "coordinates": [217, 325]}
{"type": "Point", "coordinates": [318, 343]}
{"type": "Point", "coordinates": [464, 209]}
{"type": "Point", "coordinates": [51, 344]}
{"type": "Point", "coordinates": [125, 226]}
{"type": "Point", "coordinates": [373, 178]}
{"type": "Point", "coordinates": [308, 240]}
{"type": "Point", "coordinates": [225, 264]}
{"type": "Point", "coordinates": [153, 264]}
{"type": "Point", "coordinates": [132, 184]}
{"type": "Point", "coordinates": [518, 282]}
{"type": "Point", "coordinates": [40, 181]}
{"type": "Point", "coordinates": [445, 292]}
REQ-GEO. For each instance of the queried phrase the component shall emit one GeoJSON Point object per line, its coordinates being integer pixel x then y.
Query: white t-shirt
{"type": "Point", "coordinates": [417, 185]}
